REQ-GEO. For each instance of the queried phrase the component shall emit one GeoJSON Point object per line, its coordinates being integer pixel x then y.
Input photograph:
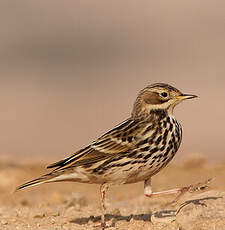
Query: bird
{"type": "Point", "coordinates": [133, 151]}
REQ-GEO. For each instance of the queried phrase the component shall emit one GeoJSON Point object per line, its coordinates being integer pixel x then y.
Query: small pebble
{"type": "Point", "coordinates": [52, 221]}
{"type": "Point", "coordinates": [4, 222]}
{"type": "Point", "coordinates": [41, 215]}
{"type": "Point", "coordinates": [116, 212]}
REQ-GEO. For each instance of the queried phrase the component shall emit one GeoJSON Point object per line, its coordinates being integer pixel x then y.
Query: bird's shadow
{"type": "Point", "coordinates": [197, 202]}
{"type": "Point", "coordinates": [108, 217]}
{"type": "Point", "coordinates": [144, 217]}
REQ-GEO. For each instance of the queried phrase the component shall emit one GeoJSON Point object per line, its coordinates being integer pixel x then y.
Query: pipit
{"type": "Point", "coordinates": [132, 151]}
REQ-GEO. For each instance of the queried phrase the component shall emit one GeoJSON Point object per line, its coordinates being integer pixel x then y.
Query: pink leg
{"type": "Point", "coordinates": [103, 189]}
{"type": "Point", "coordinates": [180, 191]}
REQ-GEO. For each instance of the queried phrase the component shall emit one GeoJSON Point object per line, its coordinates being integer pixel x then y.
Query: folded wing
{"type": "Point", "coordinates": [118, 140]}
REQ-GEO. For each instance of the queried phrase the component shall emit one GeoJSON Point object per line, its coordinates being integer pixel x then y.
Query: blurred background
{"type": "Point", "coordinates": [70, 70]}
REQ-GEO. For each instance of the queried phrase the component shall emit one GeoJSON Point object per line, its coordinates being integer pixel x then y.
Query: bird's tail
{"type": "Point", "coordinates": [47, 178]}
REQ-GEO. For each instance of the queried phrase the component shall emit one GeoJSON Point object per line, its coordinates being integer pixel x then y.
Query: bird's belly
{"type": "Point", "coordinates": [149, 169]}
{"type": "Point", "coordinates": [132, 173]}
{"type": "Point", "coordinates": [129, 173]}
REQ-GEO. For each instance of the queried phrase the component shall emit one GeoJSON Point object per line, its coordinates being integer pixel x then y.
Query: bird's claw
{"type": "Point", "coordinates": [191, 189]}
{"type": "Point", "coordinates": [199, 186]}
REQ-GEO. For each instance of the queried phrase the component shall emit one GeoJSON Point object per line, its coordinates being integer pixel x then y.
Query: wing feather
{"type": "Point", "coordinates": [116, 141]}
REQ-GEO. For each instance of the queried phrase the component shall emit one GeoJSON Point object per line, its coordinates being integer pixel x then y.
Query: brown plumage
{"type": "Point", "coordinates": [133, 151]}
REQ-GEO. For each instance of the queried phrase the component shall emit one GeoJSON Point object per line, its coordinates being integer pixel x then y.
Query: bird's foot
{"type": "Point", "coordinates": [191, 189]}
{"type": "Point", "coordinates": [199, 186]}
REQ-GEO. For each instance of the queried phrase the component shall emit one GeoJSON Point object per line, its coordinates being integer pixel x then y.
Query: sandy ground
{"type": "Point", "coordinates": [76, 206]}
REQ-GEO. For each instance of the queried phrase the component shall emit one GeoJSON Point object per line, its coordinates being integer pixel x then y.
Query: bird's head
{"type": "Point", "coordinates": [159, 96]}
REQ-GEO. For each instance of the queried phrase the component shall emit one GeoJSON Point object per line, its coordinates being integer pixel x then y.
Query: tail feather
{"type": "Point", "coordinates": [40, 180]}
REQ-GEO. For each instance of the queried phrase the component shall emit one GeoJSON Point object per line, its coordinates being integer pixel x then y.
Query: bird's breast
{"type": "Point", "coordinates": [160, 144]}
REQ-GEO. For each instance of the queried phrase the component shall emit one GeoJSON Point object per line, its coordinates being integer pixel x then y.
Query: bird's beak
{"type": "Point", "coordinates": [186, 96]}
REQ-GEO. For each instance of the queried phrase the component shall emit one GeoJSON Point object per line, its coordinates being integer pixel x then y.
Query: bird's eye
{"type": "Point", "coordinates": [164, 94]}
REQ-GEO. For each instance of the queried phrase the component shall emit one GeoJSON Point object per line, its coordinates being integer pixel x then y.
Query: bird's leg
{"type": "Point", "coordinates": [103, 189]}
{"type": "Point", "coordinates": [149, 193]}
{"type": "Point", "coordinates": [179, 191]}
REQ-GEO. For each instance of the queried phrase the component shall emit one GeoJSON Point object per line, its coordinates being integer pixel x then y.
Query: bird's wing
{"type": "Point", "coordinates": [118, 140]}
